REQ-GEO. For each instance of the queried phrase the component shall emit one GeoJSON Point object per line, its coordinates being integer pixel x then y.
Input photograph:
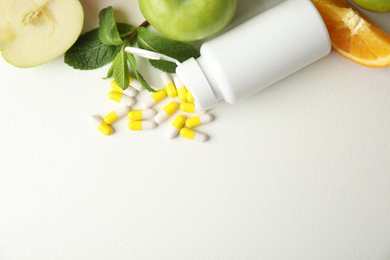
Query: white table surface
{"type": "Point", "coordinates": [299, 171]}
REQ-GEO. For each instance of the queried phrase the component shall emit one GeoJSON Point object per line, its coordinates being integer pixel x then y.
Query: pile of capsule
{"type": "Point", "coordinates": [147, 118]}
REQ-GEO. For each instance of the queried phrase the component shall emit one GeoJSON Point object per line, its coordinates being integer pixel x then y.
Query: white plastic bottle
{"type": "Point", "coordinates": [256, 54]}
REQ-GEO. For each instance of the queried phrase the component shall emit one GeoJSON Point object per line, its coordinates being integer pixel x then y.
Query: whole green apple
{"type": "Point", "coordinates": [374, 5]}
{"type": "Point", "coordinates": [188, 20]}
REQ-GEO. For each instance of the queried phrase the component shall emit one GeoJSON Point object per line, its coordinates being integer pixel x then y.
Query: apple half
{"type": "Point", "coordinates": [33, 32]}
{"type": "Point", "coordinates": [188, 20]}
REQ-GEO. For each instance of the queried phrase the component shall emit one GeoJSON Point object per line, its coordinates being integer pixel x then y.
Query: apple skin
{"type": "Point", "coordinates": [188, 20]}
{"type": "Point", "coordinates": [380, 6]}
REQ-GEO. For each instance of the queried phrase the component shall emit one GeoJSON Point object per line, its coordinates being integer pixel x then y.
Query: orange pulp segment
{"type": "Point", "coordinates": [353, 35]}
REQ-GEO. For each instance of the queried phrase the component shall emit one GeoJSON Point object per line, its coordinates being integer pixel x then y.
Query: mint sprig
{"type": "Point", "coordinates": [106, 44]}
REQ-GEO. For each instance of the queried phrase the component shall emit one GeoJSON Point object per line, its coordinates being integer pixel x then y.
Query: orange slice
{"type": "Point", "coordinates": [353, 35]}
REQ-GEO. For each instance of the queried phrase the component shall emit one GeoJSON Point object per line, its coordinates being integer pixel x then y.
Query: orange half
{"type": "Point", "coordinates": [353, 35]}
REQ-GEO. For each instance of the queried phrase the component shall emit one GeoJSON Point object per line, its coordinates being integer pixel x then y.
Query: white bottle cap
{"type": "Point", "coordinates": [194, 79]}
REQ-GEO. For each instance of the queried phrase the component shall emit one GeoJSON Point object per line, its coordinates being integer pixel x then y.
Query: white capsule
{"type": "Point", "coordinates": [121, 98]}
{"type": "Point", "coordinates": [153, 99]}
{"type": "Point", "coordinates": [101, 125]}
{"type": "Point", "coordinates": [167, 111]}
{"type": "Point", "coordinates": [129, 91]}
{"type": "Point", "coordinates": [176, 126]}
{"type": "Point", "coordinates": [136, 84]}
{"type": "Point", "coordinates": [141, 125]}
{"type": "Point", "coordinates": [199, 120]}
{"type": "Point", "coordinates": [168, 85]}
{"type": "Point", "coordinates": [193, 135]}
{"type": "Point", "coordinates": [116, 114]}
{"type": "Point", "coordinates": [141, 114]}
{"type": "Point", "coordinates": [181, 89]}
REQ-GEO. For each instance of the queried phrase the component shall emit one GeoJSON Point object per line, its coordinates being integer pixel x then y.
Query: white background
{"type": "Point", "coordinates": [298, 171]}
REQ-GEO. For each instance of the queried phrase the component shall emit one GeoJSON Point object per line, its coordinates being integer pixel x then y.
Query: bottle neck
{"type": "Point", "coordinates": [208, 73]}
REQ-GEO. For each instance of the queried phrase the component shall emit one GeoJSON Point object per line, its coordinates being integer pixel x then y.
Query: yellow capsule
{"type": "Point", "coordinates": [120, 98]}
{"type": "Point", "coordinates": [188, 107]}
{"type": "Point", "coordinates": [181, 89]}
{"type": "Point", "coordinates": [193, 135]}
{"type": "Point", "coordinates": [177, 124]}
{"type": "Point", "coordinates": [171, 108]}
{"type": "Point", "coordinates": [116, 114]}
{"type": "Point", "coordinates": [141, 125]}
{"type": "Point", "coordinates": [168, 85]}
{"type": "Point", "coordinates": [182, 93]}
{"type": "Point", "coordinates": [101, 125]}
{"type": "Point", "coordinates": [190, 98]}
{"type": "Point", "coordinates": [199, 120]}
{"type": "Point", "coordinates": [193, 121]}
{"type": "Point", "coordinates": [141, 114]}
{"type": "Point", "coordinates": [167, 111]}
{"type": "Point", "coordinates": [154, 98]}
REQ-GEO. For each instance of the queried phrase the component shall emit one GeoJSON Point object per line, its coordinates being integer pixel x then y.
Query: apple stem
{"type": "Point", "coordinates": [134, 33]}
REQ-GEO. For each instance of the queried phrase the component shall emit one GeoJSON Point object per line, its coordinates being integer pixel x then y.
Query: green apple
{"type": "Point", "coordinates": [374, 5]}
{"type": "Point", "coordinates": [188, 20]}
{"type": "Point", "coordinates": [34, 32]}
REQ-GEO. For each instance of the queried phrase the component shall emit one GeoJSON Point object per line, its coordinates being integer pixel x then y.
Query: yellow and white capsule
{"type": "Point", "coordinates": [101, 125]}
{"type": "Point", "coordinates": [121, 98]}
{"type": "Point", "coordinates": [129, 91]}
{"type": "Point", "coordinates": [154, 99]}
{"type": "Point", "coordinates": [181, 89]}
{"type": "Point", "coordinates": [199, 120]}
{"type": "Point", "coordinates": [177, 125]}
{"type": "Point", "coordinates": [190, 98]}
{"type": "Point", "coordinates": [137, 115]}
{"type": "Point", "coordinates": [168, 85]}
{"type": "Point", "coordinates": [116, 114]}
{"type": "Point", "coordinates": [141, 125]}
{"type": "Point", "coordinates": [193, 135]}
{"type": "Point", "coordinates": [135, 84]}
{"type": "Point", "coordinates": [167, 111]}
{"type": "Point", "coordinates": [189, 107]}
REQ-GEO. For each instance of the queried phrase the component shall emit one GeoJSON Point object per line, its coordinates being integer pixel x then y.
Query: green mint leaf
{"type": "Point", "coordinates": [108, 32]}
{"type": "Point", "coordinates": [181, 51]}
{"type": "Point", "coordinates": [133, 65]}
{"type": "Point", "coordinates": [90, 53]}
{"type": "Point", "coordinates": [120, 70]}
{"type": "Point", "coordinates": [110, 72]}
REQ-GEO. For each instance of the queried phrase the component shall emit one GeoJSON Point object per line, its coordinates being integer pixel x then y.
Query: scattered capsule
{"type": "Point", "coordinates": [189, 107]}
{"type": "Point", "coordinates": [129, 91]}
{"type": "Point", "coordinates": [154, 99]}
{"type": "Point", "coordinates": [190, 98]}
{"type": "Point", "coordinates": [193, 135]}
{"type": "Point", "coordinates": [101, 125]}
{"type": "Point", "coordinates": [116, 114]}
{"type": "Point", "coordinates": [135, 84]}
{"type": "Point", "coordinates": [177, 125]}
{"type": "Point", "coordinates": [181, 89]}
{"type": "Point", "coordinates": [167, 111]}
{"type": "Point", "coordinates": [141, 114]}
{"type": "Point", "coordinates": [199, 120]}
{"type": "Point", "coordinates": [141, 125]}
{"type": "Point", "coordinates": [120, 98]}
{"type": "Point", "coordinates": [168, 85]}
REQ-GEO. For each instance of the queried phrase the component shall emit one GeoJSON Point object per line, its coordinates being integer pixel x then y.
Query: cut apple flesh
{"type": "Point", "coordinates": [35, 32]}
